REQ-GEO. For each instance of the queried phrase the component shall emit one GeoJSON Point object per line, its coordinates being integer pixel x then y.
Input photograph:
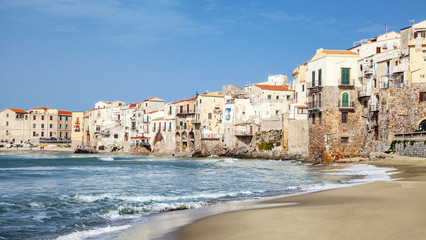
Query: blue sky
{"type": "Point", "coordinates": [69, 54]}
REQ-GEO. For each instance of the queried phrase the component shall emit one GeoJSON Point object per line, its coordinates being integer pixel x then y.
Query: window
{"type": "Point", "coordinates": [34, 126]}
{"type": "Point", "coordinates": [344, 117]}
{"type": "Point", "coordinates": [164, 128]}
{"type": "Point", "coordinates": [320, 117]}
{"type": "Point", "coordinates": [170, 110]}
{"type": "Point", "coordinates": [313, 118]}
{"type": "Point", "coordinates": [60, 134]}
{"type": "Point", "coordinates": [345, 76]}
{"type": "Point", "coordinates": [344, 139]}
{"type": "Point", "coordinates": [277, 112]}
{"type": "Point", "coordinates": [345, 99]}
{"type": "Point", "coordinates": [34, 118]}
{"type": "Point", "coordinates": [51, 118]}
{"type": "Point", "coordinates": [7, 115]}
{"type": "Point", "coordinates": [66, 126]}
{"type": "Point", "coordinates": [51, 126]}
{"type": "Point", "coordinates": [181, 109]}
{"type": "Point", "coordinates": [60, 126]}
{"type": "Point", "coordinates": [42, 134]}
{"type": "Point", "coordinates": [180, 123]}
{"type": "Point", "coordinates": [42, 125]}
{"type": "Point", "coordinates": [319, 77]}
{"type": "Point", "coordinates": [288, 97]}
{"type": "Point", "coordinates": [184, 125]}
{"type": "Point", "coordinates": [420, 34]}
{"type": "Point", "coordinates": [115, 135]}
{"type": "Point", "coordinates": [42, 117]}
{"type": "Point", "coordinates": [269, 97]}
{"type": "Point", "coordinates": [422, 97]}
{"type": "Point", "coordinates": [313, 78]}
{"type": "Point", "coordinates": [51, 134]}
{"type": "Point", "coordinates": [7, 124]}
{"type": "Point", "coordinates": [303, 87]}
{"type": "Point", "coordinates": [378, 50]}
{"type": "Point", "coordinates": [34, 134]}
{"type": "Point", "coordinates": [278, 97]}
{"type": "Point", "coordinates": [170, 125]}
{"type": "Point", "coordinates": [154, 127]}
{"type": "Point", "coordinates": [210, 116]}
{"type": "Point", "coordinates": [60, 118]}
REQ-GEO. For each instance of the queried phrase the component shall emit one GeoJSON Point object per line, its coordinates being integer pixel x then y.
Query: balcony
{"type": "Point", "coordinates": [363, 94]}
{"type": "Point", "coordinates": [315, 106]}
{"type": "Point", "coordinates": [346, 84]}
{"type": "Point", "coordinates": [350, 105]}
{"type": "Point", "coordinates": [185, 112]}
{"type": "Point", "coordinates": [313, 89]}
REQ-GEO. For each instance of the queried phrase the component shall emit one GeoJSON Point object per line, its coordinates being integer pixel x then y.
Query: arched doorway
{"type": "Point", "coordinates": [422, 125]}
{"type": "Point", "coordinates": [159, 142]}
{"type": "Point", "coordinates": [184, 141]}
{"type": "Point", "coordinates": [191, 140]}
{"type": "Point", "coordinates": [178, 142]}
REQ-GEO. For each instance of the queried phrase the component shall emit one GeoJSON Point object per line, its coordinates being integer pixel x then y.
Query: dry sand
{"type": "Point", "coordinates": [379, 210]}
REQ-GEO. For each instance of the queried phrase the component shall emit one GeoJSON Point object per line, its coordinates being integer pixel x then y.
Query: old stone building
{"type": "Point", "coordinates": [334, 114]}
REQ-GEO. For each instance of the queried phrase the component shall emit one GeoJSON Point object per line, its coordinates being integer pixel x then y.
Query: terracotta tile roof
{"type": "Point", "coordinates": [41, 108]}
{"type": "Point", "coordinates": [339, 52]}
{"type": "Point", "coordinates": [17, 110]}
{"type": "Point", "coordinates": [132, 105]}
{"type": "Point", "coordinates": [186, 100]}
{"type": "Point", "coordinates": [160, 118]}
{"type": "Point", "coordinates": [155, 111]}
{"type": "Point", "coordinates": [272, 87]}
{"type": "Point", "coordinates": [60, 112]}
{"type": "Point", "coordinates": [140, 137]}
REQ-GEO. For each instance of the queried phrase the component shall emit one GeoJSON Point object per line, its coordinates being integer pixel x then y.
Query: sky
{"type": "Point", "coordinates": [70, 54]}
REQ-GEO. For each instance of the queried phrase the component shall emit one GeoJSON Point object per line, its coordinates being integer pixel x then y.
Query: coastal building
{"type": "Point", "coordinates": [77, 132]}
{"type": "Point", "coordinates": [334, 124]}
{"type": "Point", "coordinates": [35, 125]}
{"type": "Point", "coordinates": [14, 125]}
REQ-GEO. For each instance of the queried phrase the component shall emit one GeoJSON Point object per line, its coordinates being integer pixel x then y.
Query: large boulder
{"type": "Point", "coordinates": [376, 155]}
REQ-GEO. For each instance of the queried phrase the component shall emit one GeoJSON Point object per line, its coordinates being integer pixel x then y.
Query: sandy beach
{"type": "Point", "coordinates": [379, 210]}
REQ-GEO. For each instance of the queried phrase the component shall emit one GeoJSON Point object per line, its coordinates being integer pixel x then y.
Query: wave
{"type": "Point", "coordinates": [366, 173]}
{"type": "Point", "coordinates": [158, 198]}
{"type": "Point", "coordinates": [106, 158]}
{"type": "Point", "coordinates": [92, 233]}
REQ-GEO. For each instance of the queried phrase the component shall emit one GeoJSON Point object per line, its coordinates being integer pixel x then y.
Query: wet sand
{"type": "Point", "coordinates": [379, 210]}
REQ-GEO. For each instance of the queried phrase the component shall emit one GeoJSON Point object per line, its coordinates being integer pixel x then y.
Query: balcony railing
{"type": "Point", "coordinates": [349, 83]}
{"type": "Point", "coordinates": [316, 105]}
{"type": "Point", "coordinates": [184, 112]}
{"type": "Point", "coordinates": [346, 105]}
{"type": "Point", "coordinates": [363, 93]}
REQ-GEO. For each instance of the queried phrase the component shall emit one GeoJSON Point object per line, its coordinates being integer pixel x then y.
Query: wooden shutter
{"type": "Point", "coordinates": [313, 78]}
{"type": "Point", "coordinates": [421, 97]}
{"type": "Point", "coordinates": [319, 77]}
{"type": "Point", "coordinates": [345, 99]}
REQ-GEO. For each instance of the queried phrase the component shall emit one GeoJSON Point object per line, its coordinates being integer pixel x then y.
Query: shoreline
{"type": "Point", "coordinates": [372, 208]}
{"type": "Point", "coordinates": [377, 210]}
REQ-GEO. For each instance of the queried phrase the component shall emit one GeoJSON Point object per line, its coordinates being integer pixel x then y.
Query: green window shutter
{"type": "Point", "coordinates": [313, 78]}
{"type": "Point", "coordinates": [345, 76]}
{"type": "Point", "coordinates": [319, 77]}
{"type": "Point", "coordinates": [345, 99]}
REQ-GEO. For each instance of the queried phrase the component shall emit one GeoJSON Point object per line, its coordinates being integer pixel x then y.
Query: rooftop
{"type": "Point", "coordinates": [273, 87]}
{"type": "Point", "coordinates": [17, 110]}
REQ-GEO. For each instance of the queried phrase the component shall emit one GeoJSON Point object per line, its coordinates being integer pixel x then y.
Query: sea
{"type": "Point", "coordinates": [97, 196]}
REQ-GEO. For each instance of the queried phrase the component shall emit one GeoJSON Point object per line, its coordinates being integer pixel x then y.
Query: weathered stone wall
{"type": "Point", "coordinates": [297, 135]}
{"type": "Point", "coordinates": [399, 112]}
{"type": "Point", "coordinates": [411, 148]}
{"type": "Point", "coordinates": [325, 135]}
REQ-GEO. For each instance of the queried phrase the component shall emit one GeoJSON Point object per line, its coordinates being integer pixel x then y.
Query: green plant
{"type": "Point", "coordinates": [412, 142]}
{"type": "Point", "coordinates": [277, 144]}
{"type": "Point", "coordinates": [102, 147]}
{"type": "Point", "coordinates": [114, 149]}
{"type": "Point", "coordinates": [265, 146]}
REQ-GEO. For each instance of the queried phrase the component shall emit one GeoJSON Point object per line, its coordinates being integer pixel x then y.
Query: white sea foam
{"type": "Point", "coordinates": [157, 198]}
{"type": "Point", "coordinates": [36, 205]}
{"type": "Point", "coordinates": [106, 158]}
{"type": "Point", "coordinates": [369, 173]}
{"type": "Point", "coordinates": [93, 232]}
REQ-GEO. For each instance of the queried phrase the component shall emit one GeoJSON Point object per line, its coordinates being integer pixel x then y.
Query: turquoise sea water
{"type": "Point", "coordinates": [69, 196]}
